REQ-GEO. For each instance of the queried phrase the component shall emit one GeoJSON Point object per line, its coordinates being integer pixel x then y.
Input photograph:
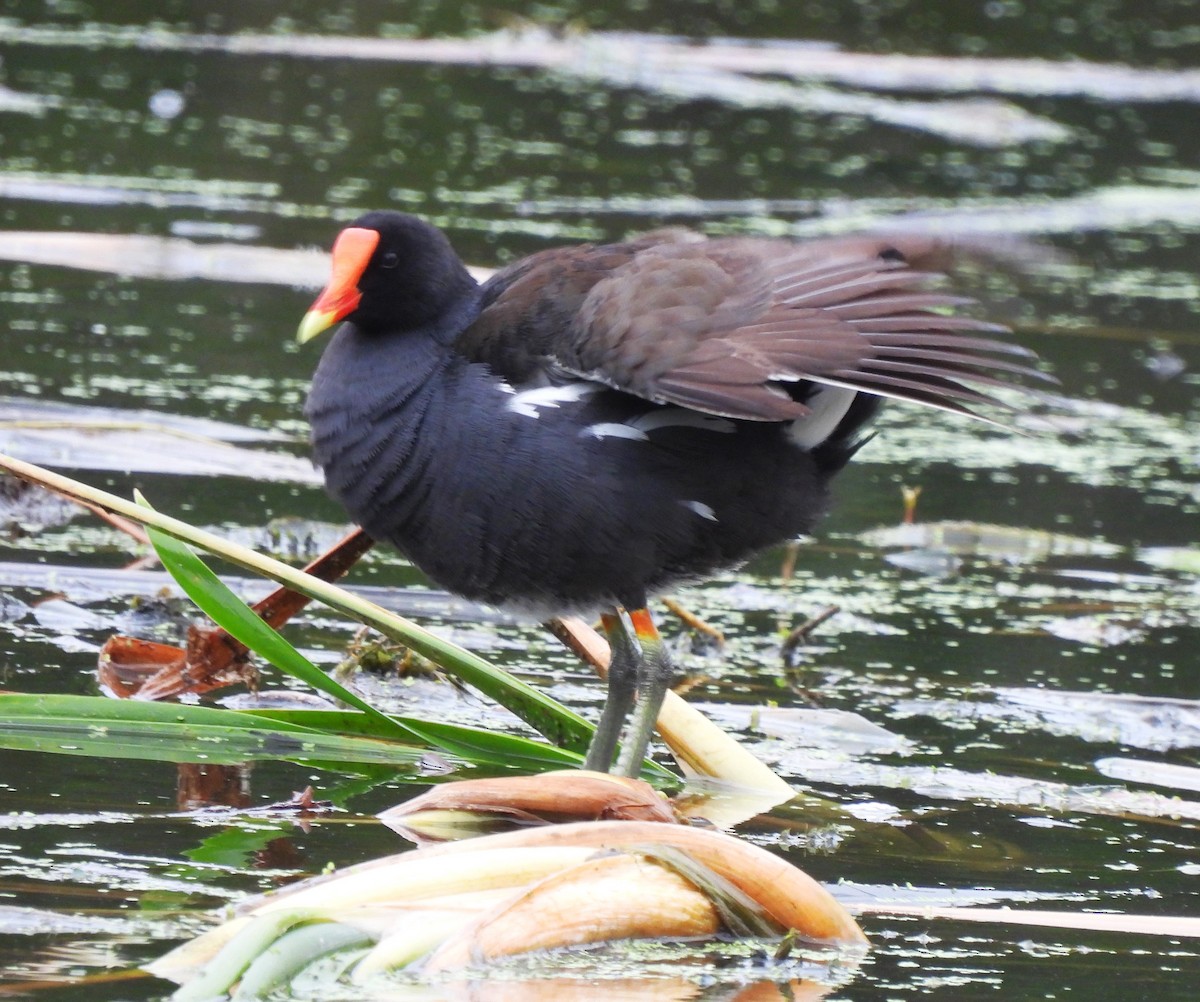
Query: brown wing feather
{"type": "Point", "coordinates": [529, 304]}
{"type": "Point", "coordinates": [723, 326]}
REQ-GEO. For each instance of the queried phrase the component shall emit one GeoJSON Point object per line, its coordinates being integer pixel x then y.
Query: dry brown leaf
{"type": "Point", "coordinates": [551, 798]}
{"type": "Point", "coordinates": [615, 897]}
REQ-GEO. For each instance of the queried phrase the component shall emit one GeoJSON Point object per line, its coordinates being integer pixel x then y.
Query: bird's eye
{"type": "Point", "coordinates": [390, 259]}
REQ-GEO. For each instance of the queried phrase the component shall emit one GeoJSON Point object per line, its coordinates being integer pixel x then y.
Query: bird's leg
{"type": "Point", "coordinates": [623, 673]}
{"type": "Point", "coordinates": [655, 674]}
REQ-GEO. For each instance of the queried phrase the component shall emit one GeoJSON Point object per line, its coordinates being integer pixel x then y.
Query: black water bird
{"type": "Point", "coordinates": [597, 423]}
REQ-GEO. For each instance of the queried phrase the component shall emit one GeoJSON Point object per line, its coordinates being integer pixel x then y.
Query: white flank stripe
{"type": "Point", "coordinates": [701, 509]}
{"type": "Point", "coordinates": [527, 402]}
{"type": "Point", "coordinates": [615, 429]}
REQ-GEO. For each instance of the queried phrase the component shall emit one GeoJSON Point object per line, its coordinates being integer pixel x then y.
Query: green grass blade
{"type": "Point", "coordinates": [242, 623]}
{"type": "Point", "coordinates": [474, 744]}
{"type": "Point", "coordinates": [124, 729]}
{"type": "Point", "coordinates": [100, 711]}
{"type": "Point", "coordinates": [173, 732]}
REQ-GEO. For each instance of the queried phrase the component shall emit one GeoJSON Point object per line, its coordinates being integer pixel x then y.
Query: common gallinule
{"type": "Point", "coordinates": [596, 423]}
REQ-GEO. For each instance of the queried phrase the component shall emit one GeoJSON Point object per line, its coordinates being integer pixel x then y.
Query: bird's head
{"type": "Point", "coordinates": [391, 272]}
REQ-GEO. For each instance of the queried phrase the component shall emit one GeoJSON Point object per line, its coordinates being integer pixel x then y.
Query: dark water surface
{"type": "Point", "coordinates": [990, 775]}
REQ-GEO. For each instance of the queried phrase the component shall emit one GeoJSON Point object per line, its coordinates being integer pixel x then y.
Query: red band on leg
{"type": "Point", "coordinates": [643, 626]}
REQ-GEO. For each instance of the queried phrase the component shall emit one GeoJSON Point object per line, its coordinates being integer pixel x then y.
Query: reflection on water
{"type": "Point", "coordinates": [168, 190]}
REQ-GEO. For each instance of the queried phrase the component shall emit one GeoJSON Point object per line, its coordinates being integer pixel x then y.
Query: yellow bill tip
{"type": "Point", "coordinates": [315, 322]}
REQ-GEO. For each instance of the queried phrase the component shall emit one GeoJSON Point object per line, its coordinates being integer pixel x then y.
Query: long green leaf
{"type": "Point", "coordinates": [95, 726]}
{"type": "Point", "coordinates": [100, 712]}
{"type": "Point", "coordinates": [475, 744]}
{"type": "Point", "coordinates": [122, 728]}
{"type": "Point", "coordinates": [242, 623]}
